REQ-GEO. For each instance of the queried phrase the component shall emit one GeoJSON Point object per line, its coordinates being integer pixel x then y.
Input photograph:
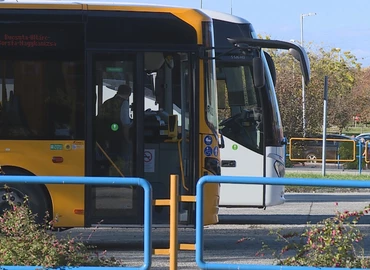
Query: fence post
{"type": "Point", "coordinates": [174, 202]}
{"type": "Point", "coordinates": [359, 157]}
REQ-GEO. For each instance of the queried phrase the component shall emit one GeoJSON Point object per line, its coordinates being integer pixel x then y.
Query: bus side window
{"type": "Point", "coordinates": [13, 109]}
{"type": "Point", "coordinates": [15, 123]}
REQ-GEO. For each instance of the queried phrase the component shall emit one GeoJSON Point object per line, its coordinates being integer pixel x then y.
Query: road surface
{"type": "Point", "coordinates": [226, 242]}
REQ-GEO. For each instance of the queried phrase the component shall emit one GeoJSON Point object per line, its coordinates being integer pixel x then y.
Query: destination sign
{"type": "Point", "coordinates": [41, 37]}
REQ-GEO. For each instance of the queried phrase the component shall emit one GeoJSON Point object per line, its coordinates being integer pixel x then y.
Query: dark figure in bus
{"type": "Point", "coordinates": [114, 125]}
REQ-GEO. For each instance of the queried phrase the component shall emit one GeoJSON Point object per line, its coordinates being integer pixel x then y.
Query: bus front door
{"type": "Point", "coordinates": [113, 143]}
{"type": "Point", "coordinates": [139, 127]}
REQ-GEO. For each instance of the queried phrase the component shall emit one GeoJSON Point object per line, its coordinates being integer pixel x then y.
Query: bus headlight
{"type": "Point", "coordinates": [279, 168]}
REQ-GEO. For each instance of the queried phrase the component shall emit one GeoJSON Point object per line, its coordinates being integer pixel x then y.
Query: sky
{"type": "Point", "coordinates": [337, 24]}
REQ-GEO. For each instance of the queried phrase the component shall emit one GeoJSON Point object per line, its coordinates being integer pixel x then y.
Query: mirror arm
{"type": "Point", "coordinates": [202, 53]}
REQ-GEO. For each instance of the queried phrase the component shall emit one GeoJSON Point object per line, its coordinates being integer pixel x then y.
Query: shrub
{"type": "Point", "coordinates": [333, 242]}
{"type": "Point", "coordinates": [24, 242]}
{"type": "Point", "coordinates": [346, 152]}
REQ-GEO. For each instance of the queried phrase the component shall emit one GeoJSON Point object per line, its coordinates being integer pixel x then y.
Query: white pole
{"type": "Point", "coordinates": [324, 127]}
{"type": "Point", "coordinates": [303, 88]}
{"type": "Point", "coordinates": [303, 84]}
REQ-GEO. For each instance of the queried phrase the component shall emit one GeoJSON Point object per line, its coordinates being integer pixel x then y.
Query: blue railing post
{"type": "Point", "coordinates": [359, 157]}
{"type": "Point", "coordinates": [130, 181]}
{"type": "Point", "coordinates": [199, 239]}
{"type": "Point", "coordinates": [338, 157]}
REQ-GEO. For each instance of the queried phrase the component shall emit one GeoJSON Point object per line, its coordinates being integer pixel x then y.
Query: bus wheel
{"type": "Point", "coordinates": [37, 200]}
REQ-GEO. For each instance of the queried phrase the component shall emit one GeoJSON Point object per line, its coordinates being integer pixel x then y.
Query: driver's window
{"type": "Point", "coordinates": [239, 105]}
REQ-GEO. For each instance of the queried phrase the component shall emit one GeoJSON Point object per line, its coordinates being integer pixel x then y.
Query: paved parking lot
{"type": "Point", "coordinates": [222, 244]}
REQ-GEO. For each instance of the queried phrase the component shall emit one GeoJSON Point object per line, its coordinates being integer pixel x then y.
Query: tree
{"type": "Point", "coordinates": [342, 70]}
{"type": "Point", "coordinates": [361, 96]}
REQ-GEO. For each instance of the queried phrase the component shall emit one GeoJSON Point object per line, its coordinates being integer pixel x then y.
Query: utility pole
{"type": "Point", "coordinates": [303, 85]}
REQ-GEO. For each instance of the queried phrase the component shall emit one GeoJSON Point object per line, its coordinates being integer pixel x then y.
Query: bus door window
{"type": "Point", "coordinates": [114, 117]}
{"type": "Point", "coordinates": [114, 93]}
{"type": "Point", "coordinates": [166, 123]}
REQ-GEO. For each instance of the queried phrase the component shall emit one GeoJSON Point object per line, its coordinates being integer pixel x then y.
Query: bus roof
{"type": "Point", "coordinates": [91, 3]}
{"type": "Point", "coordinates": [81, 2]}
{"type": "Point", "coordinates": [224, 16]}
{"type": "Point", "coordinates": [192, 16]}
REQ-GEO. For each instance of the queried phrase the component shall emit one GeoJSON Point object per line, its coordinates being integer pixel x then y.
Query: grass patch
{"type": "Point", "coordinates": [309, 189]}
{"type": "Point", "coordinates": [356, 130]}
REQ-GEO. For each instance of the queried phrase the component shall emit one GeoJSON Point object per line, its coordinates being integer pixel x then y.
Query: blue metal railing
{"type": "Point", "coordinates": [199, 238]}
{"type": "Point", "coordinates": [199, 245]}
{"type": "Point", "coordinates": [95, 181]}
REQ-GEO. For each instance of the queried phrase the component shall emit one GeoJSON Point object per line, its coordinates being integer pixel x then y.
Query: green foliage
{"type": "Point", "coordinates": [361, 97]}
{"type": "Point", "coordinates": [343, 73]}
{"type": "Point", "coordinates": [347, 152]}
{"type": "Point", "coordinates": [288, 163]}
{"type": "Point", "coordinates": [333, 242]}
{"type": "Point", "coordinates": [336, 176]}
{"type": "Point", "coordinates": [355, 130]}
{"type": "Point", "coordinates": [24, 242]}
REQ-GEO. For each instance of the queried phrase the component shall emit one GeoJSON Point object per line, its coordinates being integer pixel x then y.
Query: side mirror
{"type": "Point", "coordinates": [258, 72]}
{"type": "Point", "coordinates": [296, 50]}
{"type": "Point", "coordinates": [297, 56]}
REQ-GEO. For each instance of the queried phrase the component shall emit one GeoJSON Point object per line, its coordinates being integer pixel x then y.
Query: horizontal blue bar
{"type": "Point", "coordinates": [220, 266]}
{"type": "Point", "coordinates": [284, 181]}
{"type": "Point", "coordinates": [67, 268]}
{"type": "Point", "coordinates": [199, 237]}
{"type": "Point", "coordinates": [88, 180]}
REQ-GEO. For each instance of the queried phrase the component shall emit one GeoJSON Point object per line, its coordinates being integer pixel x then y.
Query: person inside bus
{"type": "Point", "coordinates": [115, 126]}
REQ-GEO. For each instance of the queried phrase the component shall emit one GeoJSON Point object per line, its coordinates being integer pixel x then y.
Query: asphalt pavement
{"type": "Point", "coordinates": [240, 234]}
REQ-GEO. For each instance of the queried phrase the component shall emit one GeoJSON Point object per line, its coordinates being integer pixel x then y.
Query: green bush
{"type": "Point", "coordinates": [346, 152]}
{"type": "Point", "coordinates": [333, 242]}
{"type": "Point", "coordinates": [23, 242]}
{"type": "Point", "coordinates": [288, 163]}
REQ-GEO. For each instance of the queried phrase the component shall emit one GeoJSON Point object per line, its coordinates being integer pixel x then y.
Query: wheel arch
{"type": "Point", "coordinates": [14, 170]}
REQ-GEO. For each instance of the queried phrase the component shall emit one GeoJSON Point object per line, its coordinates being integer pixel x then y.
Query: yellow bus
{"type": "Point", "coordinates": [62, 67]}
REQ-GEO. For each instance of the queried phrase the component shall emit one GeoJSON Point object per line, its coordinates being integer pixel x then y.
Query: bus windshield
{"type": "Point", "coordinates": [242, 107]}
{"type": "Point", "coordinates": [274, 131]}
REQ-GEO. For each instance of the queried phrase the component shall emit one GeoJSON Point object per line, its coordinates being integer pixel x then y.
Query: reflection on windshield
{"type": "Point", "coordinates": [240, 108]}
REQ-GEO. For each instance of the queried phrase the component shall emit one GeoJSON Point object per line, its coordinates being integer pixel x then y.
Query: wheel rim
{"type": "Point", "coordinates": [9, 195]}
{"type": "Point", "coordinates": [311, 158]}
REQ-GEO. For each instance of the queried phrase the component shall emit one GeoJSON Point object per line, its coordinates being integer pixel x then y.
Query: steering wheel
{"type": "Point", "coordinates": [228, 121]}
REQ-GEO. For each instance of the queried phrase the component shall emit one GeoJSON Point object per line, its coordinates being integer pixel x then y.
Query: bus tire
{"type": "Point", "coordinates": [38, 201]}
